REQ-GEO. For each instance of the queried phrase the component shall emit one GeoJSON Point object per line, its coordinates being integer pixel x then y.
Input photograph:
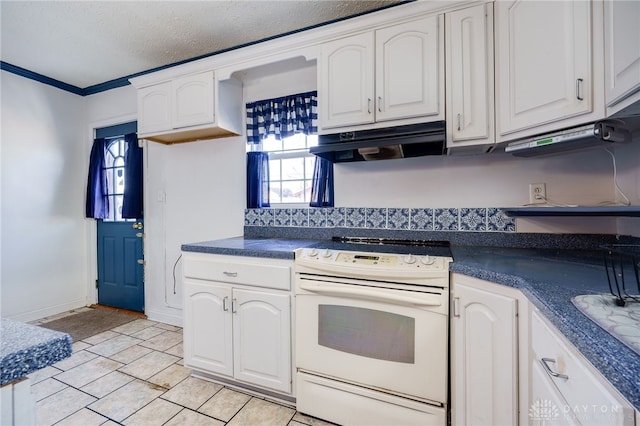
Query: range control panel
{"type": "Point", "coordinates": [328, 257]}
{"type": "Point", "coordinates": [366, 259]}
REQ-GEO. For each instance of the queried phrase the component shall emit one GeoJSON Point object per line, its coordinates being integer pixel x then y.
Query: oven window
{"type": "Point", "coordinates": [367, 332]}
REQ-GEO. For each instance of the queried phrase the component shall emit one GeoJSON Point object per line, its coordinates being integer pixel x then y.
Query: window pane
{"type": "Point", "coordinates": [274, 170]}
{"type": "Point", "coordinates": [271, 144]}
{"type": "Point", "coordinates": [309, 163]}
{"type": "Point", "coordinates": [293, 168]}
{"type": "Point", "coordinates": [274, 193]}
{"type": "Point", "coordinates": [307, 191]}
{"type": "Point", "coordinates": [118, 208]}
{"type": "Point", "coordinates": [119, 189]}
{"type": "Point", "coordinates": [297, 141]}
{"type": "Point", "coordinates": [312, 140]}
{"type": "Point", "coordinates": [293, 191]}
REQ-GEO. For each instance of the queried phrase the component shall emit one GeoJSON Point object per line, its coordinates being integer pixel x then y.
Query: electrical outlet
{"type": "Point", "coordinates": [537, 193]}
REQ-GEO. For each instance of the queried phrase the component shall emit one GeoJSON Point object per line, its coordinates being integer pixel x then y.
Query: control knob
{"type": "Point", "coordinates": [409, 259]}
{"type": "Point", "coordinates": [313, 253]}
{"type": "Point", "coordinates": [428, 260]}
{"type": "Point", "coordinates": [326, 253]}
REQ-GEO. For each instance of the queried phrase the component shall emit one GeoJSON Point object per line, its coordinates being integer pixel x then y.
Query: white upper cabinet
{"type": "Point", "coordinates": [154, 108]}
{"type": "Point", "coordinates": [346, 90]}
{"type": "Point", "coordinates": [389, 74]}
{"type": "Point", "coordinates": [193, 100]}
{"type": "Point", "coordinates": [469, 79]}
{"type": "Point", "coordinates": [548, 56]}
{"type": "Point", "coordinates": [193, 107]}
{"type": "Point", "coordinates": [622, 51]}
{"type": "Point", "coordinates": [408, 71]}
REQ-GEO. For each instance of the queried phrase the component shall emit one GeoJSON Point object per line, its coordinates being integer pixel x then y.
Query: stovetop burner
{"type": "Point", "coordinates": [391, 241]}
{"type": "Point", "coordinates": [387, 245]}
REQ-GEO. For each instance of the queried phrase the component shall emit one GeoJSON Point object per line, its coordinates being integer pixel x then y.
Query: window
{"type": "Point", "coordinates": [114, 166]}
{"type": "Point", "coordinates": [290, 168]}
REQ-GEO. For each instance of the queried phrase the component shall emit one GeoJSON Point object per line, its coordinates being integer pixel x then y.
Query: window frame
{"type": "Point", "coordinates": [285, 154]}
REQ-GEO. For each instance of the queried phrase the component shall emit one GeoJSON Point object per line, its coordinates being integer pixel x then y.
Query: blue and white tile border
{"type": "Point", "coordinates": [465, 219]}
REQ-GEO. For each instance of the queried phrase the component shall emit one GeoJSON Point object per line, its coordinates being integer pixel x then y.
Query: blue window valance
{"type": "Point", "coordinates": [282, 117]}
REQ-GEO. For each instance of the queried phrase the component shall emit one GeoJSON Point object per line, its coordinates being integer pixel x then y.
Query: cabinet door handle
{"type": "Point", "coordinates": [545, 364]}
{"type": "Point", "coordinates": [456, 307]}
{"type": "Point", "coordinates": [379, 104]}
{"type": "Point", "coordinates": [233, 305]}
{"type": "Point", "coordinates": [579, 89]}
{"type": "Point", "coordinates": [230, 274]}
{"type": "Point", "coordinates": [369, 105]}
{"type": "Point", "coordinates": [459, 119]}
{"type": "Point", "coordinates": [224, 303]}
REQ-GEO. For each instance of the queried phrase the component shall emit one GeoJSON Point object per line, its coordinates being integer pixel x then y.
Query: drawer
{"type": "Point", "coordinates": [588, 395]}
{"type": "Point", "coordinates": [256, 275]}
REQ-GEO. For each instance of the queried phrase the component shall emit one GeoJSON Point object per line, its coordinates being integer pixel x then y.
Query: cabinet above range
{"type": "Point", "coordinates": [388, 74]}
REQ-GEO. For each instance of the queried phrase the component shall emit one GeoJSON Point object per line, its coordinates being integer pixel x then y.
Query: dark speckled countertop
{"type": "Point", "coordinates": [549, 278]}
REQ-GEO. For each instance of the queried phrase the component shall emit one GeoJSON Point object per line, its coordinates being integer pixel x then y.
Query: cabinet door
{"type": "Point", "coordinates": [543, 62]}
{"type": "Point", "coordinates": [154, 108]}
{"type": "Point", "coordinates": [345, 92]}
{"type": "Point", "coordinates": [622, 50]}
{"type": "Point", "coordinates": [484, 358]}
{"type": "Point", "coordinates": [262, 338]}
{"type": "Point", "coordinates": [408, 70]}
{"type": "Point", "coordinates": [193, 100]}
{"type": "Point", "coordinates": [208, 342]}
{"type": "Point", "coordinates": [470, 75]}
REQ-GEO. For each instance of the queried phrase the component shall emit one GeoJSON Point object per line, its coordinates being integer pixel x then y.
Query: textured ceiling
{"type": "Point", "coordinates": [84, 43]}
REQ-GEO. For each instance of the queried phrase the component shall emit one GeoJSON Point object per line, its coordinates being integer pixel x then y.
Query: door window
{"type": "Point", "coordinates": [114, 166]}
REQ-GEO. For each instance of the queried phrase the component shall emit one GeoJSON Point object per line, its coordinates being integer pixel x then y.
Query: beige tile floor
{"type": "Point", "coordinates": [133, 375]}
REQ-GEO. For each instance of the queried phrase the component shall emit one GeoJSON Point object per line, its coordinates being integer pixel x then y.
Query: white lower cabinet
{"type": "Point", "coordinates": [566, 389]}
{"type": "Point", "coordinates": [510, 366]}
{"type": "Point", "coordinates": [484, 354]}
{"type": "Point", "coordinates": [241, 332]}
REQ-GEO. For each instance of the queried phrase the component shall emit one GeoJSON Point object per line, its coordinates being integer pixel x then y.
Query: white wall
{"type": "Point", "coordinates": [195, 192]}
{"type": "Point", "coordinates": [495, 180]}
{"type": "Point", "coordinates": [44, 261]}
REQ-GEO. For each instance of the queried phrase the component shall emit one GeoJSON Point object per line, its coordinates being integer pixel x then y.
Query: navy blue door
{"type": "Point", "coordinates": [120, 241]}
{"type": "Point", "coordinates": [120, 265]}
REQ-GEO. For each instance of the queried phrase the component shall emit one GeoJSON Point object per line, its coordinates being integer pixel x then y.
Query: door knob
{"type": "Point", "coordinates": [137, 225]}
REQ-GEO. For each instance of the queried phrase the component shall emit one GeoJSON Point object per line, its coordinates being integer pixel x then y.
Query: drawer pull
{"type": "Point", "coordinates": [579, 89]}
{"type": "Point", "coordinates": [545, 365]}
{"type": "Point", "coordinates": [224, 303]}
{"type": "Point", "coordinates": [233, 305]}
{"type": "Point", "coordinates": [230, 274]}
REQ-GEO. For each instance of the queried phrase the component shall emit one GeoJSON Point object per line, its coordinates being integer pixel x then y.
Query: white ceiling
{"type": "Point", "coordinates": [84, 43]}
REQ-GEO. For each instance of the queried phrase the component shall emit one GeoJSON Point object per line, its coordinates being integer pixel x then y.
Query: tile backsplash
{"type": "Point", "coordinates": [479, 219]}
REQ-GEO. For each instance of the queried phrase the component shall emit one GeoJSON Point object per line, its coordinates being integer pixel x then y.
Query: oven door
{"type": "Point", "coordinates": [390, 340]}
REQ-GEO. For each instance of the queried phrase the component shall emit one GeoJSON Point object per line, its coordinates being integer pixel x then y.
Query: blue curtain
{"type": "Point", "coordinates": [282, 117]}
{"type": "Point", "coordinates": [97, 203]}
{"type": "Point", "coordinates": [322, 184]}
{"type": "Point", "coordinates": [132, 201]}
{"type": "Point", "coordinates": [257, 179]}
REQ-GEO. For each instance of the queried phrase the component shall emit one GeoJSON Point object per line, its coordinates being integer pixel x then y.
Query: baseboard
{"type": "Point", "coordinates": [49, 311]}
{"type": "Point", "coordinates": [164, 317]}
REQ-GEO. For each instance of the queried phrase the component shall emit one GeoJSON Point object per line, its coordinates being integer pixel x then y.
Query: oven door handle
{"type": "Point", "coordinates": [370, 294]}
